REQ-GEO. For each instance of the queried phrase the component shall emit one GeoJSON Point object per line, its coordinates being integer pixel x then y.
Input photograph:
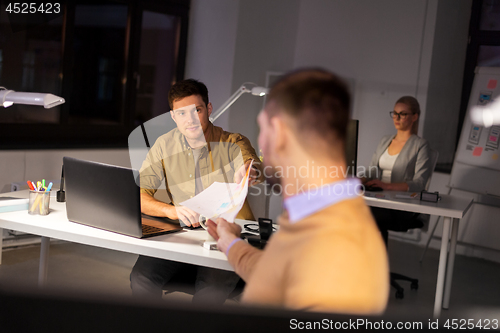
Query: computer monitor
{"type": "Point", "coordinates": [351, 147]}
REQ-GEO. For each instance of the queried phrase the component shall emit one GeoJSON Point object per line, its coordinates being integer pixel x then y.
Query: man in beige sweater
{"type": "Point", "coordinates": [328, 254]}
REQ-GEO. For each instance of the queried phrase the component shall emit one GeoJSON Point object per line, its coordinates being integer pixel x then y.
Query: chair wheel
{"type": "Point", "coordinates": [414, 286]}
{"type": "Point", "coordinates": [400, 294]}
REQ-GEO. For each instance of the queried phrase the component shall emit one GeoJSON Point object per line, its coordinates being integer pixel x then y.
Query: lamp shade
{"type": "Point", "coordinates": [259, 91]}
{"type": "Point", "coordinates": [9, 97]}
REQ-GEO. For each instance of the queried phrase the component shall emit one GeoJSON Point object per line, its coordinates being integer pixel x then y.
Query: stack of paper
{"type": "Point", "coordinates": [220, 199]}
{"type": "Point", "coordinates": [10, 204]}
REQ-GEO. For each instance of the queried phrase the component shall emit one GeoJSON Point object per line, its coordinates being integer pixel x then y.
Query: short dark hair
{"type": "Point", "coordinates": [186, 88]}
{"type": "Point", "coordinates": [316, 99]}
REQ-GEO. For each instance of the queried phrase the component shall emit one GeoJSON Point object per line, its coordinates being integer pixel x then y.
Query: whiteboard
{"type": "Point", "coordinates": [477, 160]}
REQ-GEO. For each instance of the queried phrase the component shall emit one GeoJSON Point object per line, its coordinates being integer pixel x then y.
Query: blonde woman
{"type": "Point", "coordinates": [402, 160]}
{"type": "Point", "coordinates": [400, 163]}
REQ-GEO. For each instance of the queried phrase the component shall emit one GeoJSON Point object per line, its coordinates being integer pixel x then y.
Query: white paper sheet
{"type": "Point", "coordinates": [220, 199]}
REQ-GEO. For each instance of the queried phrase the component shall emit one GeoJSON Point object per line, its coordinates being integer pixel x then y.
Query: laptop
{"type": "Point", "coordinates": [107, 197]}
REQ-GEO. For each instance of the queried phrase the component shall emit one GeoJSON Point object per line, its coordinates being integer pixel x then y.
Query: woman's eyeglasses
{"type": "Point", "coordinates": [401, 115]}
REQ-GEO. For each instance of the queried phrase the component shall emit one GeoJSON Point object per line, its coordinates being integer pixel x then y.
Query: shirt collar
{"type": "Point", "coordinates": [210, 136]}
{"type": "Point", "coordinates": [307, 203]}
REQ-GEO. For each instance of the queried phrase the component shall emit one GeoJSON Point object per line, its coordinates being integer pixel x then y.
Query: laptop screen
{"type": "Point", "coordinates": [102, 196]}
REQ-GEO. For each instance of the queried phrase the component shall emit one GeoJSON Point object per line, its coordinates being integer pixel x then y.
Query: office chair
{"type": "Point", "coordinates": [416, 222]}
{"type": "Point", "coordinates": [258, 198]}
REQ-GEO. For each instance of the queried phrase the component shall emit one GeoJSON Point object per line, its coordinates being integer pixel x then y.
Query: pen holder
{"type": "Point", "coordinates": [39, 203]}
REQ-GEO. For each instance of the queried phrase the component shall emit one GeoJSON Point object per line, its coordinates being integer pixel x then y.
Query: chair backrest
{"type": "Point", "coordinates": [424, 218]}
{"type": "Point", "coordinates": [258, 198]}
{"type": "Point", "coordinates": [434, 158]}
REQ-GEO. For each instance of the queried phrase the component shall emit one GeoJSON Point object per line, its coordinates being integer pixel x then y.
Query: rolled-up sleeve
{"type": "Point", "coordinates": [248, 153]}
{"type": "Point", "coordinates": [151, 173]}
{"type": "Point", "coordinates": [246, 148]}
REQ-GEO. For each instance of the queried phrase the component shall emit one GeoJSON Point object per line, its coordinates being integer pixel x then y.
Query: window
{"type": "Point", "coordinates": [157, 59]}
{"type": "Point", "coordinates": [30, 61]}
{"type": "Point", "coordinates": [483, 48]}
{"type": "Point", "coordinates": [113, 62]}
{"type": "Point", "coordinates": [490, 16]}
{"type": "Point", "coordinates": [99, 38]}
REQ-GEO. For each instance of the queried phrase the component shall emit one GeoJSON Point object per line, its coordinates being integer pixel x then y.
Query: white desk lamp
{"type": "Point", "coordinates": [256, 91]}
{"type": "Point", "coordinates": [9, 97]}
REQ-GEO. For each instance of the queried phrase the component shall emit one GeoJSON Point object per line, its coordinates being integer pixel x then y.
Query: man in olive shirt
{"type": "Point", "coordinates": [189, 159]}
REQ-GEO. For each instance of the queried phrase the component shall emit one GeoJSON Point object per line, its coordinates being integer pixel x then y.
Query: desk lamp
{"type": "Point", "coordinates": [10, 97]}
{"type": "Point", "coordinates": [256, 91]}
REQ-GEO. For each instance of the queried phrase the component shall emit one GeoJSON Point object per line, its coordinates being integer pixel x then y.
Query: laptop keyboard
{"type": "Point", "coordinates": [147, 229]}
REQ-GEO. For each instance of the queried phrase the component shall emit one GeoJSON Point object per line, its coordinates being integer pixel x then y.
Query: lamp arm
{"type": "Point", "coordinates": [241, 90]}
{"type": "Point", "coordinates": [28, 98]}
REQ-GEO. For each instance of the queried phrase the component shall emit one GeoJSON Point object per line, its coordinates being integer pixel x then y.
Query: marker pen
{"type": "Point", "coordinates": [30, 185]}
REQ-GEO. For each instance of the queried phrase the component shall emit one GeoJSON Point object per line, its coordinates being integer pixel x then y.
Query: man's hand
{"type": "Point", "coordinates": [240, 173]}
{"type": "Point", "coordinates": [186, 215]}
{"type": "Point", "coordinates": [223, 232]}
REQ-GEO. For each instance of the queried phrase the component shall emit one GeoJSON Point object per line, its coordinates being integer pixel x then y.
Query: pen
{"type": "Point", "coordinates": [41, 198]}
{"type": "Point", "coordinates": [30, 185]}
{"type": "Point", "coordinates": [35, 203]}
{"type": "Point", "coordinates": [34, 186]}
{"type": "Point", "coordinates": [43, 182]}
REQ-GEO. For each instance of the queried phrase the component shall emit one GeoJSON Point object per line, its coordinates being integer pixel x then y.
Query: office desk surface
{"type": "Point", "coordinates": [185, 246]}
{"type": "Point", "coordinates": [452, 209]}
{"type": "Point", "coordinates": [449, 206]}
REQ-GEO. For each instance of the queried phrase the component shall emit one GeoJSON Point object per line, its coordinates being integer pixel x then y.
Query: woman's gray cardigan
{"type": "Point", "coordinates": [412, 166]}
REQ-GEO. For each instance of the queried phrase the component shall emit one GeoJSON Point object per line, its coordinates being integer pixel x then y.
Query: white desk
{"type": "Point", "coordinates": [185, 246]}
{"type": "Point", "coordinates": [452, 209]}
